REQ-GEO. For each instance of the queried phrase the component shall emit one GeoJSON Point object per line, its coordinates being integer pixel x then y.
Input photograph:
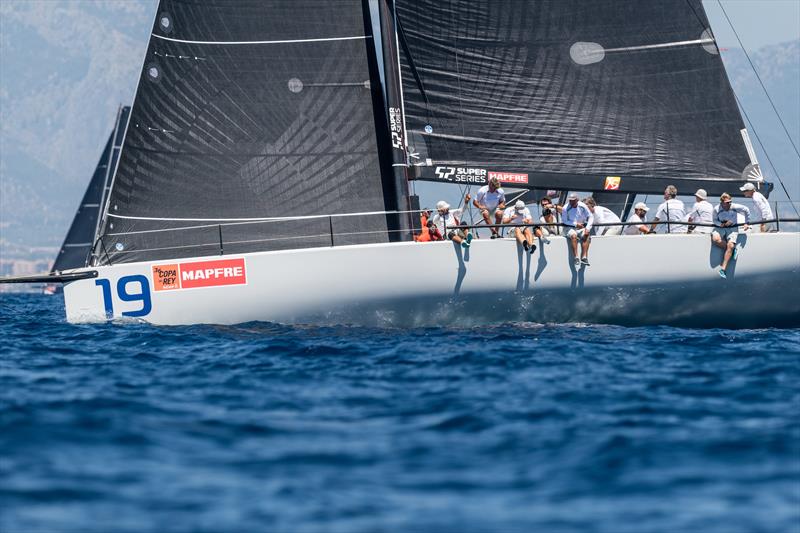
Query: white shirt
{"type": "Point", "coordinates": [732, 214]}
{"type": "Point", "coordinates": [579, 214]}
{"type": "Point", "coordinates": [674, 211]}
{"type": "Point", "coordinates": [604, 215]}
{"type": "Point", "coordinates": [552, 229]}
{"type": "Point", "coordinates": [762, 207]}
{"type": "Point", "coordinates": [490, 199]}
{"type": "Point", "coordinates": [450, 219]}
{"type": "Point", "coordinates": [634, 230]}
{"type": "Point", "coordinates": [702, 212]}
{"type": "Point", "coordinates": [517, 217]}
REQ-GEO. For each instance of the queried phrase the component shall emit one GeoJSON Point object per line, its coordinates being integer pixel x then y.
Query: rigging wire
{"type": "Point", "coordinates": [741, 106]}
{"type": "Point", "coordinates": [769, 159]}
{"type": "Point", "coordinates": [775, 109]}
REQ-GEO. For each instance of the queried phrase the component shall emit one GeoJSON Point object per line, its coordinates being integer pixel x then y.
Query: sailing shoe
{"type": "Point", "coordinates": [469, 238]}
{"type": "Point", "coordinates": [735, 252]}
{"type": "Point", "coordinates": [465, 244]}
{"type": "Point", "coordinates": [494, 236]}
{"type": "Point", "coordinates": [585, 261]}
{"type": "Point", "coordinates": [525, 245]}
{"type": "Point", "coordinates": [533, 248]}
{"type": "Point", "coordinates": [577, 263]}
{"type": "Point", "coordinates": [722, 274]}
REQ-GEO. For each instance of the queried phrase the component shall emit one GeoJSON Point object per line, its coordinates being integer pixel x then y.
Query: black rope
{"type": "Point", "coordinates": [775, 109]}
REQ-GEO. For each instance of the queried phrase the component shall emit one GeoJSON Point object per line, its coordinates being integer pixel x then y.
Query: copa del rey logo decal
{"type": "Point", "coordinates": [199, 274]}
{"type": "Point", "coordinates": [612, 183]}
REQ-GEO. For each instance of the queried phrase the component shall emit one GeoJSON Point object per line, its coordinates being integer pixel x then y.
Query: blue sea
{"type": "Point", "coordinates": [515, 427]}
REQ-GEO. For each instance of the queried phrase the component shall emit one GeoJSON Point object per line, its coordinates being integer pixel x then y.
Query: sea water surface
{"type": "Point", "coordinates": [264, 427]}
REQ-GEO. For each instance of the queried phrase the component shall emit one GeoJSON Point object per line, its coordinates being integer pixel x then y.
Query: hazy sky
{"type": "Point", "coordinates": [758, 22]}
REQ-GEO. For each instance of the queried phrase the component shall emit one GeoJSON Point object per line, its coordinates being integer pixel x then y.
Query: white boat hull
{"type": "Point", "coordinates": [657, 279]}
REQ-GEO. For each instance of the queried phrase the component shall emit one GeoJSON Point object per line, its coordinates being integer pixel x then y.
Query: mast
{"type": "Point", "coordinates": [395, 112]}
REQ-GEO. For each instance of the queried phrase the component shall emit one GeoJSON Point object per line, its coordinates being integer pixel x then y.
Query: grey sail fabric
{"type": "Point", "coordinates": [77, 247]}
{"type": "Point", "coordinates": [249, 110]}
{"type": "Point", "coordinates": [568, 93]}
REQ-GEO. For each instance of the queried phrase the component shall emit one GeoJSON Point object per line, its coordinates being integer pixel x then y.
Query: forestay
{"type": "Point", "coordinates": [76, 249]}
{"type": "Point", "coordinates": [248, 109]}
{"type": "Point", "coordinates": [571, 94]}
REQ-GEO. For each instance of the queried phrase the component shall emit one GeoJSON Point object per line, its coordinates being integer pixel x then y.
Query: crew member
{"type": "Point", "coordinates": [638, 219]}
{"type": "Point", "coordinates": [702, 212]}
{"type": "Point", "coordinates": [446, 221]}
{"type": "Point", "coordinates": [549, 219]}
{"type": "Point", "coordinates": [603, 215]}
{"type": "Point", "coordinates": [491, 200]}
{"type": "Point", "coordinates": [519, 214]}
{"type": "Point", "coordinates": [577, 215]}
{"type": "Point", "coordinates": [762, 206]}
{"type": "Point", "coordinates": [726, 215]}
{"type": "Point", "coordinates": [671, 210]}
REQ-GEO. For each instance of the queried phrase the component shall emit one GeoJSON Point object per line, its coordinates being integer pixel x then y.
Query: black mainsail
{"type": "Point", "coordinates": [76, 249]}
{"type": "Point", "coordinates": [247, 110]}
{"type": "Point", "coordinates": [623, 95]}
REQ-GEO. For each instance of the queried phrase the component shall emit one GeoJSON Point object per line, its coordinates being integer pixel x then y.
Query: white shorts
{"type": "Point", "coordinates": [580, 233]}
{"type": "Point", "coordinates": [727, 234]}
{"type": "Point", "coordinates": [610, 230]}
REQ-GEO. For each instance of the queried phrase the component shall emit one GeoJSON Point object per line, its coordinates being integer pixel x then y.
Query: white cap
{"type": "Point", "coordinates": [747, 187]}
{"type": "Point", "coordinates": [520, 205]}
{"type": "Point", "coordinates": [701, 193]}
{"type": "Point", "coordinates": [441, 204]}
{"type": "Point", "coordinates": [572, 196]}
{"type": "Point", "coordinates": [641, 205]}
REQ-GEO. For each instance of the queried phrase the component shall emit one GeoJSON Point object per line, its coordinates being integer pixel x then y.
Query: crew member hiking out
{"type": "Point", "coordinates": [447, 221]}
{"type": "Point", "coordinates": [577, 215]}
{"type": "Point", "coordinates": [727, 215]}
{"type": "Point", "coordinates": [519, 214]}
{"type": "Point", "coordinates": [491, 200]}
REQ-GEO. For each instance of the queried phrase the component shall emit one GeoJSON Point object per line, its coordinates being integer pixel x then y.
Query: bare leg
{"type": "Point", "coordinates": [518, 234]}
{"type": "Point", "coordinates": [529, 236]}
{"type": "Point", "coordinates": [717, 241]}
{"type": "Point", "coordinates": [728, 253]}
{"type": "Point", "coordinates": [485, 215]}
{"type": "Point", "coordinates": [574, 239]}
{"type": "Point", "coordinates": [585, 246]}
{"type": "Point", "coordinates": [457, 239]}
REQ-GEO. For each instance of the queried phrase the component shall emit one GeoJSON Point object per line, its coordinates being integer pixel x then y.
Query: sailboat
{"type": "Point", "coordinates": [270, 161]}
{"type": "Point", "coordinates": [75, 251]}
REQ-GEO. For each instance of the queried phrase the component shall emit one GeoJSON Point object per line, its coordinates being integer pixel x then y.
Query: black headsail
{"type": "Point", "coordinates": [248, 110]}
{"type": "Point", "coordinates": [590, 95]}
{"type": "Point", "coordinates": [77, 246]}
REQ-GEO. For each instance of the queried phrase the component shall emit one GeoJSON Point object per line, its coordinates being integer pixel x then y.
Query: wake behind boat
{"type": "Point", "coordinates": [269, 166]}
